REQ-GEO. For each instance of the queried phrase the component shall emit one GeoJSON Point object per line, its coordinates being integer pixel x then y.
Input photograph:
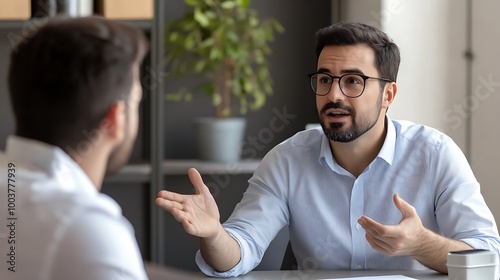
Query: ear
{"type": "Point", "coordinates": [115, 121]}
{"type": "Point", "coordinates": [390, 93]}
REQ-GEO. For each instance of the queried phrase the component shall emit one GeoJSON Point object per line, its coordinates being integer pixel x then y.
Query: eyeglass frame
{"type": "Point", "coordinates": [364, 77]}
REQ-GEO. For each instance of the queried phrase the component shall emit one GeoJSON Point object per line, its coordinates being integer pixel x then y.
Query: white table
{"type": "Point", "coordinates": [162, 273]}
{"type": "Point", "coordinates": [329, 274]}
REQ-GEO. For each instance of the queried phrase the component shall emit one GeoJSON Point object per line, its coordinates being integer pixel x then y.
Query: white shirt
{"type": "Point", "coordinates": [300, 185]}
{"type": "Point", "coordinates": [61, 226]}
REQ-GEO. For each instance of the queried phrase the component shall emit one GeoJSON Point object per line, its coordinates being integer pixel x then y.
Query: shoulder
{"type": "Point", "coordinates": [24, 170]}
{"type": "Point", "coordinates": [100, 218]}
{"type": "Point", "coordinates": [418, 134]}
{"type": "Point", "coordinates": [293, 152]}
{"type": "Point", "coordinates": [109, 245]}
{"type": "Point", "coordinates": [99, 204]}
{"type": "Point", "coordinates": [62, 221]}
{"type": "Point", "coordinates": [303, 140]}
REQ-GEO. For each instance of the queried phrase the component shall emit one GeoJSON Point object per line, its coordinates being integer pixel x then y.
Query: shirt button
{"type": "Point", "coordinates": [358, 266]}
{"type": "Point", "coordinates": [358, 226]}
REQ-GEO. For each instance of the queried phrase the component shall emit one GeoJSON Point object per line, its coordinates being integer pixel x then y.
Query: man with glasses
{"type": "Point", "coordinates": [360, 192]}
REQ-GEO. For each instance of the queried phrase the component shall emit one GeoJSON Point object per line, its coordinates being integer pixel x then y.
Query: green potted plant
{"type": "Point", "coordinates": [226, 42]}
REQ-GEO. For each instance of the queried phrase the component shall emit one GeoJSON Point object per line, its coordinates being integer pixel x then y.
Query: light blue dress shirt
{"type": "Point", "coordinates": [300, 185]}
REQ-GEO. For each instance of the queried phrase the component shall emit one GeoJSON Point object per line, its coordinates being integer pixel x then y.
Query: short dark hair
{"type": "Point", "coordinates": [387, 57]}
{"type": "Point", "coordinates": [64, 77]}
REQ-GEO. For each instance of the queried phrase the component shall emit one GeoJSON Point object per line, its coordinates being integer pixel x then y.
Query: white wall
{"type": "Point", "coordinates": [484, 102]}
{"type": "Point", "coordinates": [432, 78]}
{"type": "Point", "coordinates": [361, 11]}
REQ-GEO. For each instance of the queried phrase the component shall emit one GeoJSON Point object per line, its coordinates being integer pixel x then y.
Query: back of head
{"type": "Point", "coordinates": [64, 76]}
{"type": "Point", "coordinates": [387, 57]}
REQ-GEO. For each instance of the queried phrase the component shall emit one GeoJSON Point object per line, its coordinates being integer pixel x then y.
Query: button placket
{"type": "Point", "coordinates": [357, 233]}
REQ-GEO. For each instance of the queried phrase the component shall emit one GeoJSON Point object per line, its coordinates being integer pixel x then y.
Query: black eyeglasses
{"type": "Point", "coordinates": [351, 85]}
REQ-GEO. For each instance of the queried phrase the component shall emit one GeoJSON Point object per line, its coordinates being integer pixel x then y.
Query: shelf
{"type": "Point", "coordinates": [180, 167]}
{"type": "Point", "coordinates": [16, 25]}
{"type": "Point", "coordinates": [10, 25]}
{"type": "Point", "coordinates": [141, 24]}
{"type": "Point", "coordinates": [140, 173]}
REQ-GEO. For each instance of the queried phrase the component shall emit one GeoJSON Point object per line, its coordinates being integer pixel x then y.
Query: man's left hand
{"type": "Point", "coordinates": [403, 239]}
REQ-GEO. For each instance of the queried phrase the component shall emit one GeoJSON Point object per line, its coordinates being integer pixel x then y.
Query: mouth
{"type": "Point", "coordinates": [337, 115]}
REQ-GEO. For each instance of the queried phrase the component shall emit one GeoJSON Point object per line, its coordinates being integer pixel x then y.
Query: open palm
{"type": "Point", "coordinates": [198, 213]}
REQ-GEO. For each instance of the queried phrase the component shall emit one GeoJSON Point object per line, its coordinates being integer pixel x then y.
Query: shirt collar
{"type": "Point", "coordinates": [326, 152]}
{"type": "Point", "coordinates": [386, 152]}
{"type": "Point", "coordinates": [50, 159]}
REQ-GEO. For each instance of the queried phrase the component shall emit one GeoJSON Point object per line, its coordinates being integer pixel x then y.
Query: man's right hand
{"type": "Point", "coordinates": [198, 213]}
{"type": "Point", "coordinates": [200, 217]}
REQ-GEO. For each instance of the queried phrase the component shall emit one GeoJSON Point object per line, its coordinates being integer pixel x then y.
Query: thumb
{"type": "Point", "coordinates": [404, 207]}
{"type": "Point", "coordinates": [197, 181]}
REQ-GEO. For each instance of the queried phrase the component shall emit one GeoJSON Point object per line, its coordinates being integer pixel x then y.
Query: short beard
{"type": "Point", "coordinates": [121, 154]}
{"type": "Point", "coordinates": [335, 131]}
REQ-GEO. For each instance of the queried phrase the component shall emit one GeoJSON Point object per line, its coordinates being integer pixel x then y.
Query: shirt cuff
{"type": "Point", "coordinates": [476, 243]}
{"type": "Point", "coordinates": [209, 271]}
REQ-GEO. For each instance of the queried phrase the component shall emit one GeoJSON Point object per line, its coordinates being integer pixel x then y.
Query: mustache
{"type": "Point", "coordinates": [337, 105]}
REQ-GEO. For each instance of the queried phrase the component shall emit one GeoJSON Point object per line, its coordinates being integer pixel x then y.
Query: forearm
{"type": "Point", "coordinates": [434, 250]}
{"type": "Point", "coordinates": [221, 252]}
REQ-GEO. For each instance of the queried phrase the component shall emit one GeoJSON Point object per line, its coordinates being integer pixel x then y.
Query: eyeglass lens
{"type": "Point", "coordinates": [351, 84]}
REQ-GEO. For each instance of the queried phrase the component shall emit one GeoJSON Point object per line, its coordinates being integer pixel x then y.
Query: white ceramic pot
{"type": "Point", "coordinates": [220, 140]}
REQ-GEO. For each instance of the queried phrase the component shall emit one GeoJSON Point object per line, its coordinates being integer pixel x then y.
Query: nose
{"type": "Point", "coordinates": [335, 94]}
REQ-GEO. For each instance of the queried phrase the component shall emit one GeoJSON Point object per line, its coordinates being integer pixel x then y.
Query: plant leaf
{"type": "Point", "coordinates": [229, 5]}
{"type": "Point", "coordinates": [200, 17]}
{"type": "Point", "coordinates": [244, 3]}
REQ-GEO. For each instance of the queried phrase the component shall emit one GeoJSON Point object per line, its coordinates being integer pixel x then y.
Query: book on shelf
{"type": "Point", "coordinates": [15, 10]}
{"type": "Point", "coordinates": [73, 8]}
{"type": "Point", "coordinates": [126, 9]}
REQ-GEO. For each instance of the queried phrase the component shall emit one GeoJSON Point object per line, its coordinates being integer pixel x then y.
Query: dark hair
{"type": "Point", "coordinates": [64, 77]}
{"type": "Point", "coordinates": [387, 57]}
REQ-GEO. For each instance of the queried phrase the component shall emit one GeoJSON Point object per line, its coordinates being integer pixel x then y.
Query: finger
{"type": "Point", "coordinates": [179, 215]}
{"type": "Point", "coordinates": [378, 245]}
{"type": "Point", "coordinates": [383, 241]}
{"type": "Point", "coordinates": [172, 196]}
{"type": "Point", "coordinates": [404, 207]}
{"type": "Point", "coordinates": [168, 204]}
{"type": "Point", "coordinates": [371, 226]}
{"type": "Point", "coordinates": [378, 230]}
{"type": "Point", "coordinates": [162, 193]}
{"type": "Point", "coordinates": [197, 181]}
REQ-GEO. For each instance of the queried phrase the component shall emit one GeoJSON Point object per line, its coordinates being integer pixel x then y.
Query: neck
{"type": "Point", "coordinates": [355, 156]}
{"type": "Point", "coordinates": [93, 164]}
